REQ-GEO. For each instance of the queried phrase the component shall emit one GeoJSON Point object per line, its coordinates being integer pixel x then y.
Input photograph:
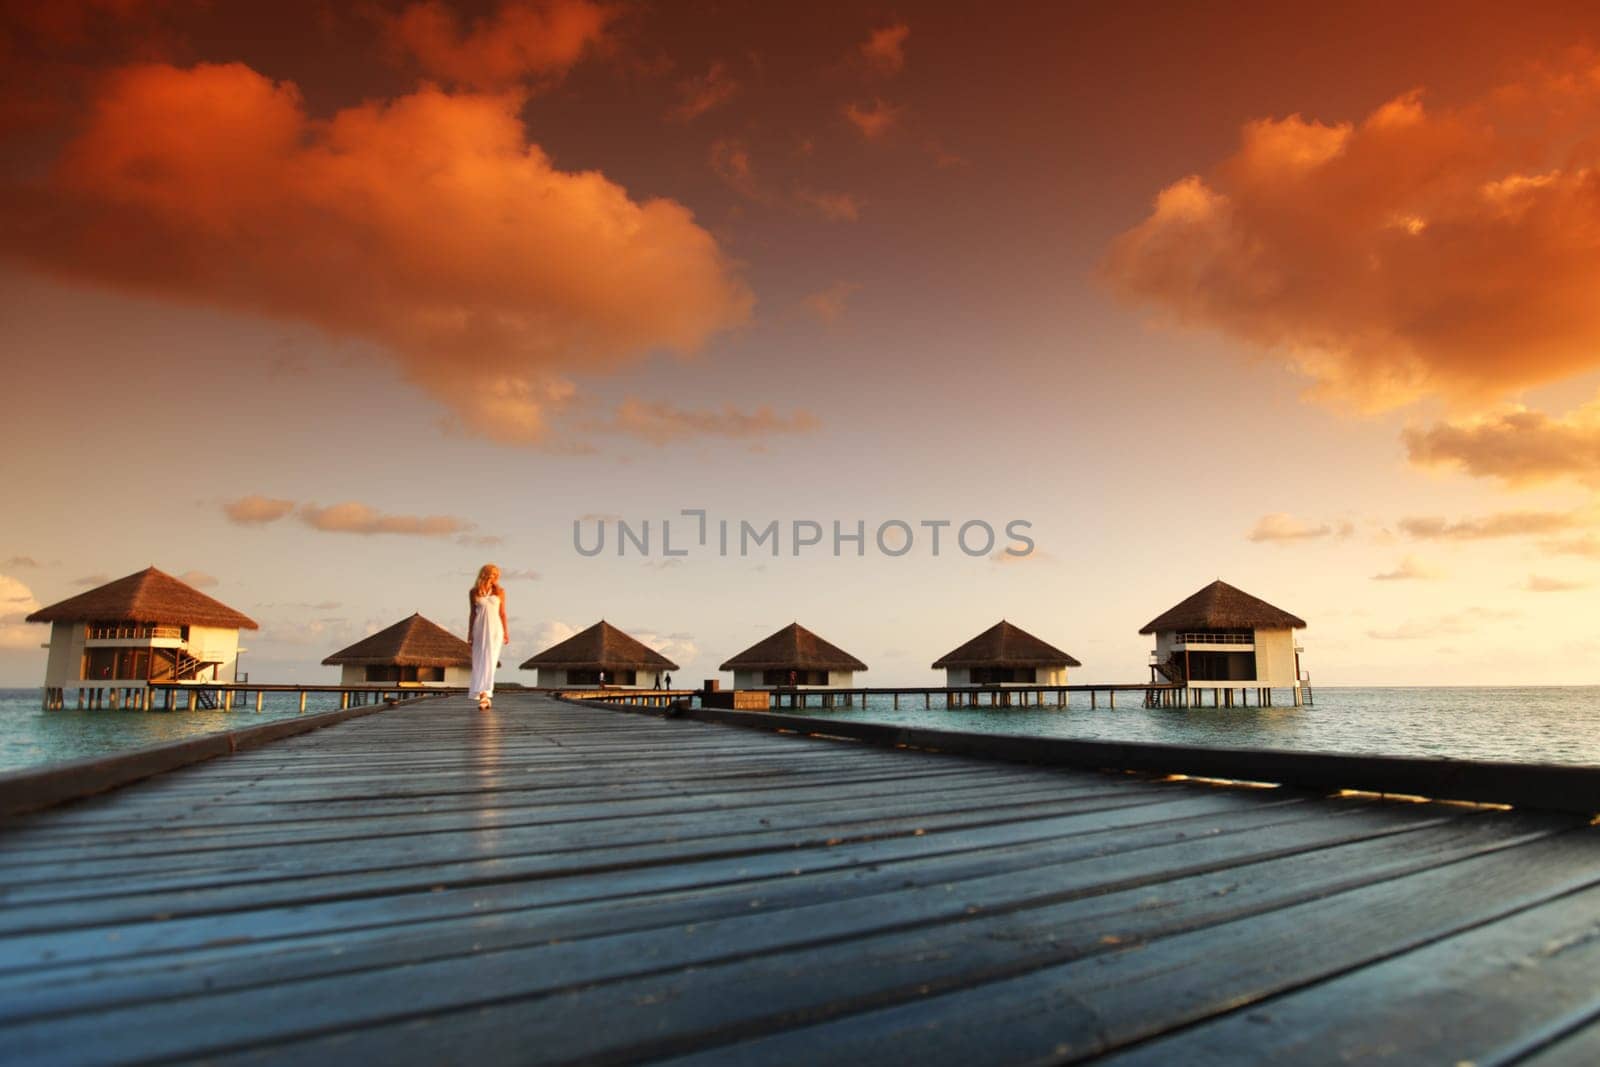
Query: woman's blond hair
{"type": "Point", "coordinates": [488, 580]}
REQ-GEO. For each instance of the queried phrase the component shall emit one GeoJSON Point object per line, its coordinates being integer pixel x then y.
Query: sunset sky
{"type": "Point", "coordinates": [323, 305]}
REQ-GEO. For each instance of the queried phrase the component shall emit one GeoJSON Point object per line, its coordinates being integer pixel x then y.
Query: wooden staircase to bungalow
{"type": "Point", "coordinates": [1172, 670]}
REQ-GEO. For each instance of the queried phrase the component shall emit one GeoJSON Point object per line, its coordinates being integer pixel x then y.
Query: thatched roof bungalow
{"type": "Point", "coordinates": [1224, 638]}
{"type": "Point", "coordinates": [414, 651]}
{"type": "Point", "coordinates": [602, 654]}
{"type": "Point", "coordinates": [794, 656]}
{"type": "Point", "coordinates": [146, 627]}
{"type": "Point", "coordinates": [1005, 654]}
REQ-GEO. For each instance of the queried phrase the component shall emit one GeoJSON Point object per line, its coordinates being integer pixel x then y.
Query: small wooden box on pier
{"type": "Point", "coordinates": [736, 699]}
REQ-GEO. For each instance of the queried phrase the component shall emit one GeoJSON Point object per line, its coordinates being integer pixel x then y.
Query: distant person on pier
{"type": "Point", "coordinates": [488, 630]}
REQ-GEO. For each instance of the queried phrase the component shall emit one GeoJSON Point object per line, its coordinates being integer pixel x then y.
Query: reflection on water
{"type": "Point", "coordinates": [1530, 725]}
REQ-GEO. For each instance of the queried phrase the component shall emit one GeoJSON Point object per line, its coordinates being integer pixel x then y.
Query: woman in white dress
{"type": "Point", "coordinates": [486, 625]}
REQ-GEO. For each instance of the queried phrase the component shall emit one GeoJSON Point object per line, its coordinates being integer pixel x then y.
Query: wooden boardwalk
{"type": "Point", "coordinates": [550, 883]}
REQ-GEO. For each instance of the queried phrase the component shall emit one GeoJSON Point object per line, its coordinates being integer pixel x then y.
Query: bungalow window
{"type": "Point", "coordinates": [783, 677]}
{"type": "Point", "coordinates": [120, 664]}
{"type": "Point", "coordinates": [388, 672]}
{"type": "Point", "coordinates": [1222, 666]}
{"type": "Point", "coordinates": [586, 677]}
{"type": "Point", "coordinates": [1002, 675]}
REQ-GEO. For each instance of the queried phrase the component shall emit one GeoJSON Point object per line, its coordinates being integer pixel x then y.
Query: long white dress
{"type": "Point", "coordinates": [488, 637]}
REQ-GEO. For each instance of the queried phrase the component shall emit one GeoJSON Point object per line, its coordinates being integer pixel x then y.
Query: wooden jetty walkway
{"type": "Point", "coordinates": [557, 883]}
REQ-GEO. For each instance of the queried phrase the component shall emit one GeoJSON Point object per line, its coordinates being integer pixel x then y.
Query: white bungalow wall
{"type": "Point", "coordinates": [753, 680]}
{"type": "Point", "coordinates": [64, 667]}
{"type": "Point", "coordinates": [956, 677]}
{"type": "Point", "coordinates": [454, 678]}
{"type": "Point", "coordinates": [68, 640]}
{"type": "Point", "coordinates": [549, 678]}
{"type": "Point", "coordinates": [1275, 660]}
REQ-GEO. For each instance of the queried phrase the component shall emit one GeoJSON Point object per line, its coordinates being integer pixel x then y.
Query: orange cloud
{"type": "Point", "coordinates": [839, 207]}
{"type": "Point", "coordinates": [1416, 252]}
{"type": "Point", "coordinates": [17, 602]}
{"type": "Point", "coordinates": [428, 224]}
{"type": "Point", "coordinates": [829, 304]}
{"type": "Point", "coordinates": [885, 48]}
{"type": "Point", "coordinates": [522, 40]}
{"type": "Point", "coordinates": [356, 518]}
{"type": "Point", "coordinates": [1281, 528]}
{"type": "Point", "coordinates": [662, 423]}
{"type": "Point", "coordinates": [1461, 622]}
{"type": "Point", "coordinates": [198, 579]}
{"type": "Point", "coordinates": [1518, 447]}
{"type": "Point", "coordinates": [70, 21]}
{"type": "Point", "coordinates": [872, 120]}
{"type": "Point", "coordinates": [348, 517]}
{"type": "Point", "coordinates": [1498, 524]}
{"type": "Point", "coordinates": [1410, 569]}
{"type": "Point", "coordinates": [704, 92]}
{"type": "Point", "coordinates": [730, 160]}
{"type": "Point", "coordinates": [1587, 546]}
{"type": "Point", "coordinates": [1540, 584]}
{"type": "Point", "coordinates": [257, 510]}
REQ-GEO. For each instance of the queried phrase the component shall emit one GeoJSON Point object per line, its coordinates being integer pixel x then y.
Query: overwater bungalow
{"type": "Point", "coordinates": [1225, 641]}
{"type": "Point", "coordinates": [113, 641]}
{"type": "Point", "coordinates": [794, 657]}
{"type": "Point", "coordinates": [1005, 654]}
{"type": "Point", "coordinates": [602, 654]}
{"type": "Point", "coordinates": [413, 652]}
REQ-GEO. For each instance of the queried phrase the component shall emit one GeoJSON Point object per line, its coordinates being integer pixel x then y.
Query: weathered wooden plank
{"type": "Point", "coordinates": [65, 878]}
{"type": "Point", "coordinates": [1139, 988]}
{"type": "Point", "coordinates": [1579, 1047]}
{"type": "Point", "coordinates": [420, 887]}
{"type": "Point", "coordinates": [136, 818]}
{"type": "Point", "coordinates": [495, 972]}
{"type": "Point", "coordinates": [307, 887]}
{"type": "Point", "coordinates": [829, 871]}
{"type": "Point", "coordinates": [716, 1000]}
{"type": "Point", "coordinates": [1486, 995]}
{"type": "Point", "coordinates": [202, 967]}
{"type": "Point", "coordinates": [22, 852]}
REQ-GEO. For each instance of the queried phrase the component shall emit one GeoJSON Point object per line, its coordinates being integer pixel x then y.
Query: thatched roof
{"type": "Point", "coordinates": [793, 648]}
{"type": "Point", "coordinates": [148, 596]}
{"type": "Point", "coordinates": [602, 647]}
{"type": "Point", "coordinates": [413, 642]}
{"type": "Point", "coordinates": [1005, 645]}
{"type": "Point", "coordinates": [1219, 606]}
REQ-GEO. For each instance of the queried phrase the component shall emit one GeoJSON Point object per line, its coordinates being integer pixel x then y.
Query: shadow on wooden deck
{"type": "Point", "coordinates": [548, 883]}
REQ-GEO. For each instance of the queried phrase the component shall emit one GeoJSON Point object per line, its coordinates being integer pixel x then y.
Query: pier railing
{"type": "Point", "coordinates": [1216, 639]}
{"type": "Point", "coordinates": [968, 696]}
{"type": "Point", "coordinates": [226, 696]}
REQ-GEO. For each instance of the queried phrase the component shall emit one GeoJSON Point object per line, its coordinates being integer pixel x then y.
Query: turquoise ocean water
{"type": "Point", "coordinates": [30, 737]}
{"type": "Point", "coordinates": [1533, 724]}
